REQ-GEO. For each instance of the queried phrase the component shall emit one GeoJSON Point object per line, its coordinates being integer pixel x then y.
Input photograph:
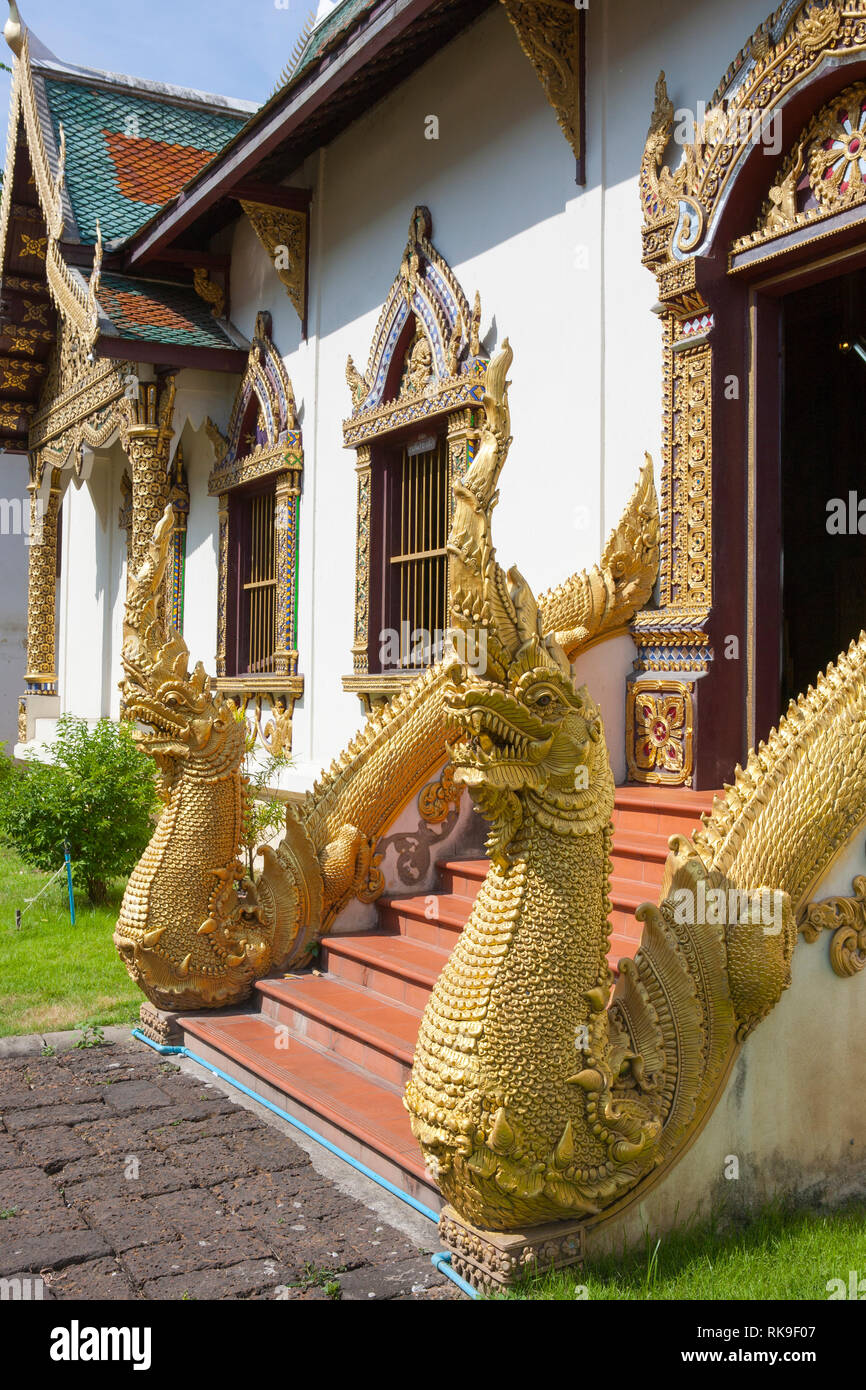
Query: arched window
{"type": "Point", "coordinates": [412, 427]}
{"type": "Point", "coordinates": [257, 478]}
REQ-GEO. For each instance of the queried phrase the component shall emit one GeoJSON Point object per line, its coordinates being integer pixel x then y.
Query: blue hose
{"type": "Point", "coordinates": [441, 1261]}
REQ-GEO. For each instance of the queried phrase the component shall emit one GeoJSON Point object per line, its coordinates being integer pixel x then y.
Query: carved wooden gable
{"type": "Point", "coordinates": [264, 435]}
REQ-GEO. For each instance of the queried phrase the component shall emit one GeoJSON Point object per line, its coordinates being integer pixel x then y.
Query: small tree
{"type": "Point", "coordinates": [99, 794]}
{"type": "Point", "coordinates": [264, 814]}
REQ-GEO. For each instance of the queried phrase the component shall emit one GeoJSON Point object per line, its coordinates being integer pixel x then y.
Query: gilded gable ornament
{"type": "Point", "coordinates": [283, 234]}
{"type": "Point", "coordinates": [550, 32]}
{"type": "Point", "coordinates": [208, 290]}
{"type": "Point", "coordinates": [418, 365]}
{"type": "Point", "coordinates": [680, 204]}
{"type": "Point", "coordinates": [263, 440]}
{"type": "Point", "coordinates": [425, 364]}
{"type": "Point", "coordinates": [442, 366]}
{"type": "Point", "coordinates": [263, 435]}
{"type": "Point", "coordinates": [357, 384]}
{"type": "Point", "coordinates": [823, 174]}
{"type": "Point", "coordinates": [683, 187]}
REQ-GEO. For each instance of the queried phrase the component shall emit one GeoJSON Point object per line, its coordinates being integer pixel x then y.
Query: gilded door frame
{"type": "Point", "coordinates": [712, 228]}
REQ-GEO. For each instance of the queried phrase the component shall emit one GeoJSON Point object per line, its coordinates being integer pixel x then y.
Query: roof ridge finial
{"type": "Point", "coordinates": [13, 29]}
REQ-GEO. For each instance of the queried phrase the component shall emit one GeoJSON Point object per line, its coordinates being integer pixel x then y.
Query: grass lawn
{"type": "Point", "coordinates": [780, 1253]}
{"type": "Point", "coordinates": [54, 976]}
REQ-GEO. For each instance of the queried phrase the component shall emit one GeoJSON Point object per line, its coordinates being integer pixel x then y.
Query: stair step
{"type": "Point", "coordinates": [637, 855]}
{"type": "Point", "coordinates": [401, 970]}
{"type": "Point", "coordinates": [357, 1025]}
{"type": "Point", "coordinates": [463, 877]}
{"type": "Point", "coordinates": [629, 893]}
{"type": "Point", "coordinates": [656, 811]}
{"type": "Point", "coordinates": [361, 1114]}
{"type": "Point", "coordinates": [620, 946]}
{"type": "Point", "coordinates": [435, 920]}
{"type": "Point", "coordinates": [625, 926]}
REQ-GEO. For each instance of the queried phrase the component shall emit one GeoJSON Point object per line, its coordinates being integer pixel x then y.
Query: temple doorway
{"type": "Point", "coordinates": [823, 476]}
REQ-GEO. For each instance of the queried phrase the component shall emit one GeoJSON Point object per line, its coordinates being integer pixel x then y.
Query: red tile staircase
{"type": "Point", "coordinates": [333, 1046]}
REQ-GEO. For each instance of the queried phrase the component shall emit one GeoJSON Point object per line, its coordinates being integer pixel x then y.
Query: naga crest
{"type": "Point", "coordinates": [187, 721]}
{"type": "Point", "coordinates": [528, 735]}
{"type": "Point", "coordinates": [188, 933]}
{"type": "Point", "coordinates": [516, 1094]}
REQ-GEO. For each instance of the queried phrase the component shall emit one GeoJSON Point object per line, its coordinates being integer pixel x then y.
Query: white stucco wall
{"type": "Point", "coordinates": [13, 593]}
{"type": "Point", "coordinates": [200, 581]}
{"type": "Point", "coordinates": [92, 587]}
{"type": "Point", "coordinates": [792, 1112]}
{"type": "Point", "coordinates": [604, 670]}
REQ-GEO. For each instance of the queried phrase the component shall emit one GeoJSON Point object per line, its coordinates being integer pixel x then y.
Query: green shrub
{"type": "Point", "coordinates": [99, 794]}
{"type": "Point", "coordinates": [7, 770]}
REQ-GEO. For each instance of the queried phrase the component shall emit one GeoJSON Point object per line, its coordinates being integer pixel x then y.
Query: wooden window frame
{"type": "Point", "coordinates": [388, 495]}
{"type": "Point", "coordinates": [239, 557]}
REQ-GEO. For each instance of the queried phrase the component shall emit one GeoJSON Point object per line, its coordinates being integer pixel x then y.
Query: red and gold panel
{"type": "Point", "coordinates": [660, 731]}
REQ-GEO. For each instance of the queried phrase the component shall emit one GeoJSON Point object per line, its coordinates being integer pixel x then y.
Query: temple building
{"type": "Point", "coordinates": [185, 279]}
{"type": "Point", "coordinates": [281, 320]}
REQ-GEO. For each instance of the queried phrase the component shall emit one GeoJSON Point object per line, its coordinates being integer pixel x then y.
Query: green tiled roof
{"type": "Point", "coordinates": [342, 18]}
{"type": "Point", "coordinates": [127, 155]}
{"type": "Point", "coordinates": [149, 311]}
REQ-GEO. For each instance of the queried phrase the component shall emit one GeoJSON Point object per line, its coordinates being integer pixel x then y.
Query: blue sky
{"type": "Point", "coordinates": [235, 47]}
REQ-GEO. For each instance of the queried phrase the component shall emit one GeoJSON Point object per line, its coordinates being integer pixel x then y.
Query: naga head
{"type": "Point", "coordinates": [533, 737]}
{"type": "Point", "coordinates": [187, 722]}
{"type": "Point", "coordinates": [203, 946]}
{"type": "Point", "coordinates": [531, 741]}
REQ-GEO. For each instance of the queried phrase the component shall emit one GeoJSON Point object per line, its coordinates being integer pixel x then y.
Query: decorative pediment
{"type": "Point", "coordinates": [823, 174]}
{"type": "Point", "coordinates": [263, 433]}
{"type": "Point", "coordinates": [426, 356]}
{"type": "Point", "coordinates": [682, 204]}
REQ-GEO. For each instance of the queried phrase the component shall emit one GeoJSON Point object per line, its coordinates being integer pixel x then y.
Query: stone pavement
{"type": "Point", "coordinates": [123, 1177]}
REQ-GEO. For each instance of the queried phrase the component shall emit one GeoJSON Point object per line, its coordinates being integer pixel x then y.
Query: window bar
{"type": "Point", "coordinates": [260, 574]}
{"type": "Point", "coordinates": [403, 504]}
{"type": "Point", "coordinates": [259, 592]}
{"type": "Point", "coordinates": [422, 563]}
{"type": "Point", "coordinates": [257, 575]}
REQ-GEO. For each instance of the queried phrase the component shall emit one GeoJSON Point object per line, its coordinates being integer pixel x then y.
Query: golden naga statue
{"type": "Point", "coordinates": [536, 1093]}
{"type": "Point", "coordinates": [193, 931]}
